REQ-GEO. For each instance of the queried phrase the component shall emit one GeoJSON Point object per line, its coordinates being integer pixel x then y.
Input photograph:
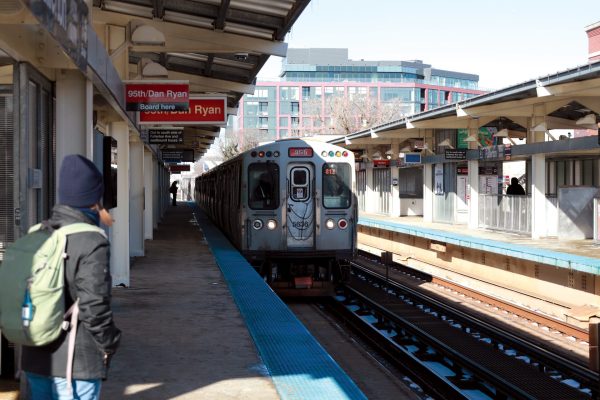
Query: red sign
{"type": "Point", "coordinates": [381, 163]}
{"type": "Point", "coordinates": [202, 111]}
{"type": "Point", "coordinates": [179, 168]}
{"type": "Point", "coordinates": [300, 152]}
{"type": "Point", "coordinates": [157, 95]}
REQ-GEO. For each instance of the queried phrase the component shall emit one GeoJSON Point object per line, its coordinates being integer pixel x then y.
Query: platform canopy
{"type": "Point", "coordinates": [219, 46]}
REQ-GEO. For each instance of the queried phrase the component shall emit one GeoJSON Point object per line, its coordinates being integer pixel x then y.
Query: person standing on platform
{"type": "Point", "coordinates": [514, 188]}
{"type": "Point", "coordinates": [88, 281]}
{"type": "Point", "coordinates": [173, 191]}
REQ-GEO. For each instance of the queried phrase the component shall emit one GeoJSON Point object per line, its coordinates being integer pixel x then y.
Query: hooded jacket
{"type": "Point", "coordinates": [87, 277]}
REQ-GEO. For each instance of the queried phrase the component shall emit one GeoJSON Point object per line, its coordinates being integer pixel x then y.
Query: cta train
{"type": "Point", "coordinates": [289, 207]}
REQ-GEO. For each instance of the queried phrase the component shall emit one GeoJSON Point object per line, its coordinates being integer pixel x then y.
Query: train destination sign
{"type": "Point", "coordinates": [157, 95]}
{"type": "Point", "coordinates": [202, 111]}
{"type": "Point", "coordinates": [300, 152]}
{"type": "Point", "coordinates": [165, 136]}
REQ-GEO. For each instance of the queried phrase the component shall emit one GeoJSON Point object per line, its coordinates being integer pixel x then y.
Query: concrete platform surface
{"type": "Point", "coordinates": [183, 336]}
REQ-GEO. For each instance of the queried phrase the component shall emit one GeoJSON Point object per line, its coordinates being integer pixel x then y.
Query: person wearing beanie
{"type": "Point", "coordinates": [87, 278]}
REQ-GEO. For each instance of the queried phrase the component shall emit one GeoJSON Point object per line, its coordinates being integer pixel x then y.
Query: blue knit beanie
{"type": "Point", "coordinates": [80, 183]}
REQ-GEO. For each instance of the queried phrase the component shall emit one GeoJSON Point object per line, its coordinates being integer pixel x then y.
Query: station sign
{"type": "Point", "coordinates": [179, 168]}
{"type": "Point", "coordinates": [202, 111]}
{"type": "Point", "coordinates": [157, 95]}
{"type": "Point", "coordinates": [381, 163]}
{"type": "Point", "coordinates": [412, 158]}
{"type": "Point", "coordinates": [178, 156]}
{"type": "Point", "coordinates": [165, 136]}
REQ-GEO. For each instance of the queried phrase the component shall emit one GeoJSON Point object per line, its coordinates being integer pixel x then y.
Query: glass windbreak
{"type": "Point", "coordinates": [263, 186]}
{"type": "Point", "coordinates": [336, 185]}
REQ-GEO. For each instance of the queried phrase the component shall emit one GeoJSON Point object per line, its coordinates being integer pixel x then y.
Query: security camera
{"type": "Point", "coordinates": [241, 56]}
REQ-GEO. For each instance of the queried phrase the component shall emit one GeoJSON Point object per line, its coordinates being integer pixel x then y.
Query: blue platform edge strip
{"type": "Point", "coordinates": [298, 364]}
{"type": "Point", "coordinates": [563, 260]}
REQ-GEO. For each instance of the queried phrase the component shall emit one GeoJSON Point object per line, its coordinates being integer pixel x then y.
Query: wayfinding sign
{"type": "Point", "coordinates": [202, 111]}
{"type": "Point", "coordinates": [178, 156]}
{"type": "Point", "coordinates": [157, 95]}
{"type": "Point", "coordinates": [165, 136]}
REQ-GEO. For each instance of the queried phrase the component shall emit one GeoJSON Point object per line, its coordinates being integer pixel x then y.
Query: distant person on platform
{"type": "Point", "coordinates": [514, 188]}
{"type": "Point", "coordinates": [173, 191]}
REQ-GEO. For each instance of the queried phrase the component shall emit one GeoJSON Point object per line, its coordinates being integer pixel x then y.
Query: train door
{"type": "Point", "coordinates": [300, 206]}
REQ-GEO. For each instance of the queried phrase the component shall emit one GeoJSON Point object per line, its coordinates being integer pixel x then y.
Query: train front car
{"type": "Point", "coordinates": [299, 215]}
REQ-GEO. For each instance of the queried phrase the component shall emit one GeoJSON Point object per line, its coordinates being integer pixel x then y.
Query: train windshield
{"type": "Point", "coordinates": [336, 185]}
{"type": "Point", "coordinates": [263, 186]}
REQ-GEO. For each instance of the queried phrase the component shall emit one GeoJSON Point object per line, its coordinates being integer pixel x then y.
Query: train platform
{"type": "Point", "coordinates": [580, 255]}
{"type": "Point", "coordinates": [199, 323]}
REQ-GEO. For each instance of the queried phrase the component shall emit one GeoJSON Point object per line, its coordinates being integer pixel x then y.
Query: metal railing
{"type": "Point", "coordinates": [505, 213]}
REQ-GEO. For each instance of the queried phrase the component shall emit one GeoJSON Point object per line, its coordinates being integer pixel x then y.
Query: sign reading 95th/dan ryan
{"type": "Point", "coordinates": [202, 111]}
{"type": "Point", "coordinates": [157, 95]}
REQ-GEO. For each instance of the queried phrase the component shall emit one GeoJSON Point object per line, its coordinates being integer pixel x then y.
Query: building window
{"type": "Point", "coordinates": [305, 92]}
{"type": "Point", "coordinates": [263, 122]}
{"type": "Point", "coordinates": [295, 121]}
{"type": "Point", "coordinates": [295, 107]}
{"type": "Point", "coordinates": [283, 121]}
{"type": "Point", "coordinates": [306, 122]}
{"type": "Point", "coordinates": [263, 106]}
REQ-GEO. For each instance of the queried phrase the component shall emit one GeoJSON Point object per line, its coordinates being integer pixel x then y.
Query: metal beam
{"type": "Point", "coordinates": [220, 20]}
{"type": "Point", "coordinates": [189, 39]}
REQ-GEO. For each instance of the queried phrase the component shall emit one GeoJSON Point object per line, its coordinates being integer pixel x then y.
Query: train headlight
{"type": "Point", "coordinates": [257, 224]}
{"type": "Point", "coordinates": [330, 224]}
{"type": "Point", "coordinates": [271, 224]}
{"type": "Point", "coordinates": [342, 223]}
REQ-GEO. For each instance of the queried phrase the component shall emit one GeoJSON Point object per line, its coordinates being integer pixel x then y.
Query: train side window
{"type": "Point", "coordinates": [263, 186]}
{"type": "Point", "coordinates": [336, 185]}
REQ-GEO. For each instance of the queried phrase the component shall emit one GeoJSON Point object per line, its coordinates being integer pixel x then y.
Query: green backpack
{"type": "Point", "coordinates": [32, 304]}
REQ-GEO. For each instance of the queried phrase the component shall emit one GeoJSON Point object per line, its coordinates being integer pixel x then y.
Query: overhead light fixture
{"type": "Point", "coordinates": [409, 125]}
{"type": "Point", "coordinates": [405, 149]}
{"type": "Point", "coordinates": [373, 134]}
{"type": "Point", "coordinates": [446, 143]}
{"type": "Point", "coordinates": [389, 152]}
{"type": "Point", "coordinates": [501, 133]}
{"type": "Point", "coordinates": [472, 138]}
{"type": "Point", "coordinates": [147, 35]}
{"type": "Point", "coordinates": [154, 70]}
{"type": "Point", "coordinates": [377, 154]}
{"type": "Point", "coordinates": [126, 8]}
{"type": "Point", "coordinates": [347, 141]}
{"type": "Point", "coordinates": [364, 155]}
{"type": "Point", "coordinates": [589, 119]}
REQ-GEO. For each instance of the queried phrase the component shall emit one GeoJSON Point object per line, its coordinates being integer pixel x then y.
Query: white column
{"type": "Point", "coordinates": [538, 196]}
{"type": "Point", "coordinates": [370, 198]}
{"type": "Point", "coordinates": [155, 196]}
{"type": "Point", "coordinates": [149, 183]}
{"type": "Point", "coordinates": [428, 192]}
{"type": "Point", "coordinates": [119, 233]}
{"type": "Point", "coordinates": [473, 192]}
{"type": "Point", "coordinates": [136, 196]}
{"type": "Point", "coordinates": [395, 209]}
{"type": "Point", "coordinates": [74, 115]}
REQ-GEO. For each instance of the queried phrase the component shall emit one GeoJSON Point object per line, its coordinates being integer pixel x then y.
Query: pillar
{"type": "Point", "coordinates": [428, 192]}
{"type": "Point", "coordinates": [136, 196]}
{"type": "Point", "coordinates": [74, 115]}
{"type": "Point", "coordinates": [149, 184]}
{"type": "Point", "coordinates": [119, 233]}
{"type": "Point", "coordinates": [473, 193]}
{"type": "Point", "coordinates": [538, 196]}
{"type": "Point", "coordinates": [395, 174]}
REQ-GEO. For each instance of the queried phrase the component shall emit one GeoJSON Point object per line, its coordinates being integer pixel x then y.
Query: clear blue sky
{"type": "Point", "coordinates": [504, 42]}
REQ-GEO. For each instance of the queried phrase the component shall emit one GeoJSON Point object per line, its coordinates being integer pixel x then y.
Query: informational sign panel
{"type": "Point", "coordinates": [381, 163]}
{"type": "Point", "coordinates": [157, 95]}
{"type": "Point", "coordinates": [455, 154]}
{"type": "Point", "coordinates": [202, 111]}
{"type": "Point", "coordinates": [177, 156]}
{"type": "Point", "coordinates": [412, 158]}
{"type": "Point", "coordinates": [165, 136]}
{"type": "Point", "coordinates": [438, 177]}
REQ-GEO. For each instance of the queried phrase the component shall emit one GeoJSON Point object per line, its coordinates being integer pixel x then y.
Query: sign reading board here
{"type": "Point", "coordinates": [165, 136]}
{"type": "Point", "coordinates": [202, 111]}
{"type": "Point", "coordinates": [157, 95]}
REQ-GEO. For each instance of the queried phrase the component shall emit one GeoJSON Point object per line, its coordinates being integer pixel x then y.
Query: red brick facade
{"type": "Point", "coordinates": [593, 32]}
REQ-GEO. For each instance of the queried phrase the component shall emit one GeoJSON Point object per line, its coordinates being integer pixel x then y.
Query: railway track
{"type": "Point", "coordinates": [454, 354]}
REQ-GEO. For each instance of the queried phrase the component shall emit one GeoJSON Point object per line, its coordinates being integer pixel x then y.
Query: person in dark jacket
{"type": "Point", "coordinates": [87, 278]}
{"type": "Point", "coordinates": [173, 191]}
{"type": "Point", "coordinates": [514, 188]}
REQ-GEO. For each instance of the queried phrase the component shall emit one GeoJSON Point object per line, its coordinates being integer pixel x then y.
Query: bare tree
{"type": "Point", "coordinates": [238, 142]}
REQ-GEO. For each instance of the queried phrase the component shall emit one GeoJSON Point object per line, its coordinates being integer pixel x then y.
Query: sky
{"type": "Point", "coordinates": [504, 42]}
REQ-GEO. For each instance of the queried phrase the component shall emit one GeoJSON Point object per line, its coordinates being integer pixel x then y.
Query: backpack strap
{"type": "Point", "coordinates": [80, 227]}
{"type": "Point", "coordinates": [73, 312]}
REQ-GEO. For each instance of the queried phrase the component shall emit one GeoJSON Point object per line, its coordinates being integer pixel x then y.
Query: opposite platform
{"type": "Point", "coordinates": [183, 336]}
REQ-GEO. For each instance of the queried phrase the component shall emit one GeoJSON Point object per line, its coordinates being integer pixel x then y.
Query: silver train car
{"type": "Point", "coordinates": [289, 207]}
